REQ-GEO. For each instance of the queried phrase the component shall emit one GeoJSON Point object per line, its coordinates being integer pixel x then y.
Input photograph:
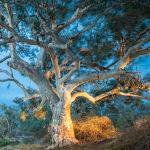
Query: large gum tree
{"type": "Point", "coordinates": [54, 32]}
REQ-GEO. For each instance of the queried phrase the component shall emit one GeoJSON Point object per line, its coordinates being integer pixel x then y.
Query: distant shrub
{"type": "Point", "coordinates": [5, 141]}
{"type": "Point", "coordinates": [94, 129]}
{"type": "Point", "coordinates": [143, 122]}
{"type": "Point", "coordinates": [136, 137]}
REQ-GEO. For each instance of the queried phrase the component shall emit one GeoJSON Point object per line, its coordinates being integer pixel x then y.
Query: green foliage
{"type": "Point", "coordinates": [123, 111]}
{"type": "Point", "coordinates": [37, 128]}
{"type": "Point", "coordinates": [10, 125]}
{"type": "Point", "coordinates": [82, 108]}
{"type": "Point", "coordinates": [8, 120]}
{"type": "Point", "coordinates": [5, 141]}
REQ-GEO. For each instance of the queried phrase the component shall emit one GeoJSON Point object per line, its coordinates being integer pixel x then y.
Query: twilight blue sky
{"type": "Point", "coordinates": [8, 93]}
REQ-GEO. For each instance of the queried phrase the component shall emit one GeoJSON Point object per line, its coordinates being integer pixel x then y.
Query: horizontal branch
{"type": "Point", "coordinates": [17, 83]}
{"type": "Point", "coordinates": [24, 68]}
{"type": "Point", "coordinates": [12, 79]}
{"type": "Point", "coordinates": [133, 95]}
{"type": "Point", "coordinates": [4, 59]}
{"type": "Point", "coordinates": [17, 38]}
{"type": "Point", "coordinates": [6, 80]}
{"type": "Point", "coordinates": [83, 94]}
{"type": "Point", "coordinates": [101, 97]}
{"type": "Point", "coordinates": [146, 86]}
{"type": "Point", "coordinates": [94, 66]}
{"type": "Point", "coordinates": [7, 27]}
{"type": "Point", "coordinates": [94, 99]}
{"type": "Point", "coordinates": [140, 53]}
{"type": "Point", "coordinates": [87, 77]}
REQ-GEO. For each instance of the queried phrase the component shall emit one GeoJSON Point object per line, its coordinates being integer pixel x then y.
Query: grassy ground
{"type": "Point", "coordinates": [136, 137]}
{"type": "Point", "coordinates": [23, 147]}
{"type": "Point", "coordinates": [94, 146]}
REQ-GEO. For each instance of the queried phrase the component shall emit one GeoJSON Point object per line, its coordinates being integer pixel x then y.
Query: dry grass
{"type": "Point", "coordinates": [94, 129]}
{"type": "Point", "coordinates": [134, 138]}
{"type": "Point", "coordinates": [100, 128]}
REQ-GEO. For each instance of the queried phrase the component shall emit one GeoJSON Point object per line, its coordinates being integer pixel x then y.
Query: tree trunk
{"type": "Point", "coordinates": [62, 130]}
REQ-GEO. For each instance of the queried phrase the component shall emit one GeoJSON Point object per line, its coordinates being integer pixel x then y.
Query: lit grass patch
{"type": "Point", "coordinates": [94, 129]}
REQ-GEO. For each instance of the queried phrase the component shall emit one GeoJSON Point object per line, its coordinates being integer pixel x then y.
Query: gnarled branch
{"type": "Point", "coordinates": [101, 97]}
{"type": "Point", "coordinates": [94, 99]}
{"type": "Point", "coordinates": [87, 77]}
{"type": "Point", "coordinates": [83, 94]}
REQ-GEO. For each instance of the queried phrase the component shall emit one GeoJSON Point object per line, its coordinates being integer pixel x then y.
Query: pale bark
{"type": "Point", "coordinates": [62, 131]}
{"type": "Point", "coordinates": [47, 93]}
{"type": "Point", "coordinates": [88, 77]}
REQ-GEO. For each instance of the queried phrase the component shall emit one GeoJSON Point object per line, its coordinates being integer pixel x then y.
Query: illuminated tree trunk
{"type": "Point", "coordinates": [62, 130]}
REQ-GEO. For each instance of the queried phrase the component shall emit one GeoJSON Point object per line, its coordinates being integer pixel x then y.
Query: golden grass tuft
{"type": "Point", "coordinates": [94, 129]}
